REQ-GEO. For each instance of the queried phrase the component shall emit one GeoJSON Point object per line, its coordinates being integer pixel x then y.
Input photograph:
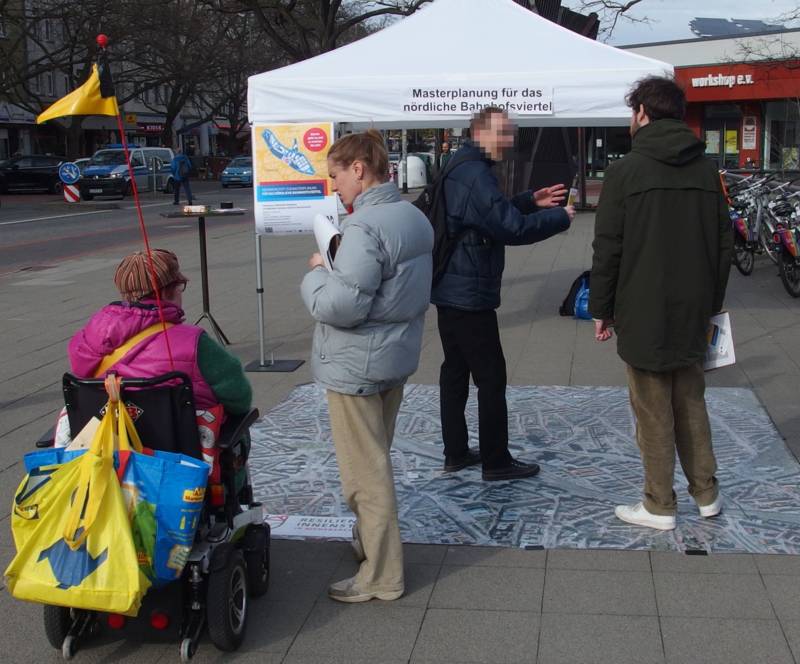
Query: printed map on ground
{"type": "Point", "coordinates": [583, 438]}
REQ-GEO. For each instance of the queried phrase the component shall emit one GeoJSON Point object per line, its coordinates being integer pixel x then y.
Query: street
{"type": "Point", "coordinates": [37, 230]}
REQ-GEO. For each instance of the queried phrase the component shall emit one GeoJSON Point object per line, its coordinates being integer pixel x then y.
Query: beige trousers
{"type": "Point", "coordinates": [670, 410]}
{"type": "Point", "coordinates": [363, 428]}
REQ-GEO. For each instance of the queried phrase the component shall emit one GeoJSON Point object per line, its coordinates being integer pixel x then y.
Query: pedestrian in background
{"type": "Point", "coordinates": [468, 293]}
{"type": "Point", "coordinates": [662, 252]}
{"type": "Point", "coordinates": [370, 312]}
{"type": "Point", "coordinates": [444, 157]}
{"type": "Point", "coordinates": [181, 167]}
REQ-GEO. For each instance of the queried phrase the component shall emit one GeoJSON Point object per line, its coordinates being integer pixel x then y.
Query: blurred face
{"type": "Point", "coordinates": [445, 147]}
{"type": "Point", "coordinates": [496, 137]}
{"type": "Point", "coordinates": [348, 181]}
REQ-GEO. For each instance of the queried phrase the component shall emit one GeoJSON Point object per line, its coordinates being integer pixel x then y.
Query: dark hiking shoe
{"type": "Point", "coordinates": [515, 470]}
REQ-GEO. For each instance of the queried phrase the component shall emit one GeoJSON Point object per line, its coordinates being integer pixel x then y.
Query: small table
{"type": "Point", "coordinates": [201, 228]}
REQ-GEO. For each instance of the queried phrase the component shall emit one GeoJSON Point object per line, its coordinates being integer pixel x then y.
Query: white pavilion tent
{"type": "Point", "coordinates": [436, 67]}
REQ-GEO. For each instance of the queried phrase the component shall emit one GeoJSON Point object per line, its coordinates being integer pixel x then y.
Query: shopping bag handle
{"type": "Point", "coordinates": [96, 468]}
{"type": "Point", "coordinates": [127, 436]}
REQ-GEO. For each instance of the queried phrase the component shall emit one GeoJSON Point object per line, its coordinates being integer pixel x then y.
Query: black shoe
{"type": "Point", "coordinates": [452, 464]}
{"type": "Point", "coordinates": [515, 470]}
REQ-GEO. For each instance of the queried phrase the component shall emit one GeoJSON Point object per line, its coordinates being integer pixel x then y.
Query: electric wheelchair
{"type": "Point", "coordinates": [229, 561]}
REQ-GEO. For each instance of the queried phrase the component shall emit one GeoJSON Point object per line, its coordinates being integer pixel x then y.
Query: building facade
{"type": "Point", "coordinates": [743, 95]}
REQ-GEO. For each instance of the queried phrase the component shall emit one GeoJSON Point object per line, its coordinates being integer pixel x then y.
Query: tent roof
{"type": "Point", "coordinates": [461, 48]}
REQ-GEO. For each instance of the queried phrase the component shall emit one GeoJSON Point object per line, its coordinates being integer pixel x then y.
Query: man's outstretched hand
{"type": "Point", "coordinates": [550, 196]}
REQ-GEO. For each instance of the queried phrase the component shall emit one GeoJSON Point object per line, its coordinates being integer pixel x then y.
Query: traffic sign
{"type": "Point", "coordinates": [72, 194]}
{"type": "Point", "coordinates": [69, 173]}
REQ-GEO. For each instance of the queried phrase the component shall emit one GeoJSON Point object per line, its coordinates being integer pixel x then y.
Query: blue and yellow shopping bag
{"type": "Point", "coordinates": [72, 532]}
{"type": "Point", "coordinates": [164, 494]}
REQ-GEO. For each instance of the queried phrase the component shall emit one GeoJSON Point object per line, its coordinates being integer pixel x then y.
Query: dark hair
{"type": "Point", "coordinates": [661, 97]}
{"type": "Point", "coordinates": [481, 119]}
{"type": "Point", "coordinates": [367, 147]}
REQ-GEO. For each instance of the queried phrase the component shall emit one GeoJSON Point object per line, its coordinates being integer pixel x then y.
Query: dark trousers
{"type": "Point", "coordinates": [471, 344]}
{"type": "Point", "coordinates": [176, 185]}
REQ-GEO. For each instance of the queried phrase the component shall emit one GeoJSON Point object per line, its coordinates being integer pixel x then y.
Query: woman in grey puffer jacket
{"type": "Point", "coordinates": [370, 311]}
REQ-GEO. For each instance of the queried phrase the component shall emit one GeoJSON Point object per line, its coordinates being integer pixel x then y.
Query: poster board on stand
{"type": "Point", "coordinates": [290, 175]}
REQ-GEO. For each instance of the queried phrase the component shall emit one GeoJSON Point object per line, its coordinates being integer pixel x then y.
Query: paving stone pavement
{"type": "Point", "coordinates": [463, 604]}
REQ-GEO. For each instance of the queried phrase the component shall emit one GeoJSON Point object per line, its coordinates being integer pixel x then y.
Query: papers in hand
{"type": "Point", "coordinates": [328, 235]}
{"type": "Point", "coordinates": [720, 351]}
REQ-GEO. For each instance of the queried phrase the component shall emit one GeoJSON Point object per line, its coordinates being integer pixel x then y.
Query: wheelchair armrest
{"type": "Point", "coordinates": [235, 427]}
{"type": "Point", "coordinates": [48, 439]}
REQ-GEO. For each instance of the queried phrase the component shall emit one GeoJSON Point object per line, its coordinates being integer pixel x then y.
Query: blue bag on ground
{"type": "Point", "coordinates": [582, 302]}
{"type": "Point", "coordinates": [577, 301]}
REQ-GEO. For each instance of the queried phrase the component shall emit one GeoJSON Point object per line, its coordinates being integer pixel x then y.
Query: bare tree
{"type": "Point", "coordinates": [610, 12]}
{"type": "Point", "coordinates": [304, 28]}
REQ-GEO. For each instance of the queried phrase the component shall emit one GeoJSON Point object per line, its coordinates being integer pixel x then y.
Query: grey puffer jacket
{"type": "Point", "coordinates": [370, 309]}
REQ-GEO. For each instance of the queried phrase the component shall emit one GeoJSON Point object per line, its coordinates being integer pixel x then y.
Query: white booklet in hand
{"type": "Point", "coordinates": [328, 236]}
{"type": "Point", "coordinates": [720, 351]}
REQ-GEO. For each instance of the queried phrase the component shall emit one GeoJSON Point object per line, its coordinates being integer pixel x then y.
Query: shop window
{"type": "Point", "coordinates": [783, 146]}
{"type": "Point", "coordinates": [783, 136]}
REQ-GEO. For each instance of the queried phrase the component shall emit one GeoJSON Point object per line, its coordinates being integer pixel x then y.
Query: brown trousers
{"type": "Point", "coordinates": [671, 414]}
{"type": "Point", "coordinates": [363, 428]}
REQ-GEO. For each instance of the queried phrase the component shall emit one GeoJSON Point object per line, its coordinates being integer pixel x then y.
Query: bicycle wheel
{"type": "Point", "coordinates": [790, 274]}
{"type": "Point", "coordinates": [743, 257]}
{"type": "Point", "coordinates": [765, 240]}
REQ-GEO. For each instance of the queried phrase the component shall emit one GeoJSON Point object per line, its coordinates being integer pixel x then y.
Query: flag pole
{"type": "Point", "coordinates": [102, 43]}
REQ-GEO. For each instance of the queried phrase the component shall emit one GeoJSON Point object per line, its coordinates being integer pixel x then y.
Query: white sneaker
{"type": "Point", "coordinates": [638, 515]}
{"type": "Point", "coordinates": [707, 511]}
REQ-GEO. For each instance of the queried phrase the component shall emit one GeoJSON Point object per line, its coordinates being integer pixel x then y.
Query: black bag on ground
{"type": "Point", "coordinates": [433, 205]}
{"type": "Point", "coordinates": [567, 307]}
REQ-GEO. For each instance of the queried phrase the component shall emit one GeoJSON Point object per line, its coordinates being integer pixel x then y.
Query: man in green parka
{"type": "Point", "coordinates": [662, 252]}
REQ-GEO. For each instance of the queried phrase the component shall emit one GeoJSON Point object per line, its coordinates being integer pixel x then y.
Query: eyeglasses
{"type": "Point", "coordinates": [179, 285]}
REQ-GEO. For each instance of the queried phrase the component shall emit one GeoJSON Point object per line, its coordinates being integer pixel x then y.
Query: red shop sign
{"type": "Point", "coordinates": [733, 82]}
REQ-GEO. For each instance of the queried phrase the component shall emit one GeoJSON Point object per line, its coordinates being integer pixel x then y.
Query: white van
{"type": "Point", "coordinates": [107, 173]}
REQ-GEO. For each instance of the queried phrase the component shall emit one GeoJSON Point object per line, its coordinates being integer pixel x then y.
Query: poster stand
{"type": "Point", "coordinates": [262, 365]}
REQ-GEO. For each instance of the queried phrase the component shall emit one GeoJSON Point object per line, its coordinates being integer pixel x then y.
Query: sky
{"type": "Point", "coordinates": [671, 17]}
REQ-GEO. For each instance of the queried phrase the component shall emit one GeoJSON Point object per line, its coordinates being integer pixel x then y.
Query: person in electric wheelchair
{"type": "Point", "coordinates": [126, 337]}
{"type": "Point", "coordinates": [190, 397]}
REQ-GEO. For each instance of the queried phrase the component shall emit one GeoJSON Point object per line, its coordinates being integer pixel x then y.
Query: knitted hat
{"type": "Point", "coordinates": [132, 277]}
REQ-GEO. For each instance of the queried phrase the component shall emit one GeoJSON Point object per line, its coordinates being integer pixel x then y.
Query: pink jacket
{"type": "Point", "coordinates": [115, 323]}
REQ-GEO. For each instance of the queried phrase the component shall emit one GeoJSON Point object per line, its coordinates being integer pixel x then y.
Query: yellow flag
{"type": "Point", "coordinates": [86, 100]}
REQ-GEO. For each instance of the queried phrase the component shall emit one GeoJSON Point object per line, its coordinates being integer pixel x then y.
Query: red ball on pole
{"type": "Point", "coordinates": [102, 40]}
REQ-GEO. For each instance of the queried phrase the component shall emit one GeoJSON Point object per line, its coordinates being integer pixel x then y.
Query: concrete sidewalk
{"type": "Point", "coordinates": [462, 604]}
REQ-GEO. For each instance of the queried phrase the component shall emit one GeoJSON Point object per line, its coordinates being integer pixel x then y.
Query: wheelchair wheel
{"type": "Point", "coordinates": [256, 556]}
{"type": "Point", "coordinates": [57, 621]}
{"type": "Point", "coordinates": [226, 604]}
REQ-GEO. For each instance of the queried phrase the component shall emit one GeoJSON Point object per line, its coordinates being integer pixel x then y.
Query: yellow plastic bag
{"type": "Point", "coordinates": [73, 536]}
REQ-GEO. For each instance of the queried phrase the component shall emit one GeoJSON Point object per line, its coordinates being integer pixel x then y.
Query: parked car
{"type": "Point", "coordinates": [107, 173]}
{"type": "Point", "coordinates": [239, 171]}
{"type": "Point", "coordinates": [30, 172]}
{"type": "Point", "coordinates": [82, 163]}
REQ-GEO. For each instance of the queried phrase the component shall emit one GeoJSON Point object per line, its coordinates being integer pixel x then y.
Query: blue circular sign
{"type": "Point", "coordinates": [69, 173]}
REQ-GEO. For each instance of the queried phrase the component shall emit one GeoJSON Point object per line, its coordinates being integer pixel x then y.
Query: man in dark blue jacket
{"type": "Point", "coordinates": [180, 168]}
{"type": "Point", "coordinates": [469, 292]}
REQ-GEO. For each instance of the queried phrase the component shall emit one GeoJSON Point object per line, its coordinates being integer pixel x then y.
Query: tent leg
{"type": "Point", "coordinates": [261, 365]}
{"type": "Point", "coordinates": [582, 166]}
{"type": "Point", "coordinates": [405, 160]}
